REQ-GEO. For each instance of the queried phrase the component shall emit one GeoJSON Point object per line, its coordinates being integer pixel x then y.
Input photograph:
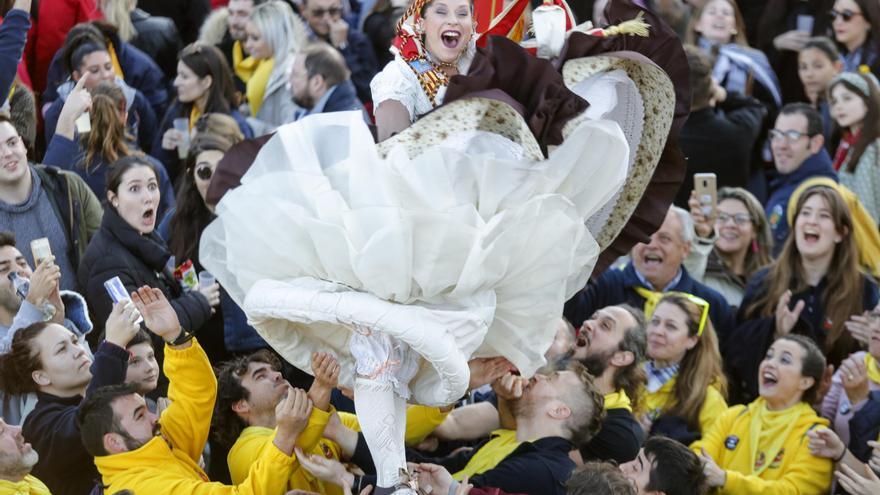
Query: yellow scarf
{"type": "Point", "coordinates": [194, 115]}
{"type": "Point", "coordinates": [873, 368]}
{"type": "Point", "coordinates": [491, 454]}
{"type": "Point", "coordinates": [618, 400]}
{"type": "Point", "coordinates": [113, 58]}
{"type": "Point", "coordinates": [28, 486]}
{"type": "Point", "coordinates": [769, 430]}
{"type": "Point", "coordinates": [255, 73]}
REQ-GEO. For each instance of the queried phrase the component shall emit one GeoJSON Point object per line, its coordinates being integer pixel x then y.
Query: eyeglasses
{"type": "Point", "coordinates": [846, 14]}
{"type": "Point", "coordinates": [204, 172]}
{"type": "Point", "coordinates": [740, 219]}
{"type": "Point", "coordinates": [333, 11]}
{"type": "Point", "coordinates": [788, 136]}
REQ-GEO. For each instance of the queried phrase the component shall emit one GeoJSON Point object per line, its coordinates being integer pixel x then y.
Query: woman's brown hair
{"type": "Point", "coordinates": [700, 368]}
{"type": "Point", "coordinates": [763, 238]}
{"type": "Point", "coordinates": [870, 124]}
{"type": "Point", "coordinates": [844, 290]}
{"type": "Point", "coordinates": [23, 358]}
{"type": "Point", "coordinates": [108, 136]}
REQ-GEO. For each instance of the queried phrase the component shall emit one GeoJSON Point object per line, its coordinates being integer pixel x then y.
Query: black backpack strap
{"type": "Point", "coordinates": [58, 191]}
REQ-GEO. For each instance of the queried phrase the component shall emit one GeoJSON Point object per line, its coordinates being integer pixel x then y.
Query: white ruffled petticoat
{"type": "Point", "coordinates": [457, 254]}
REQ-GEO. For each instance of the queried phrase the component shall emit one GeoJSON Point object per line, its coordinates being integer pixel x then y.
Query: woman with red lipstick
{"type": "Point", "coordinates": [762, 447]}
{"type": "Point", "coordinates": [686, 386]}
{"type": "Point", "coordinates": [812, 289]}
{"type": "Point", "coordinates": [127, 246]}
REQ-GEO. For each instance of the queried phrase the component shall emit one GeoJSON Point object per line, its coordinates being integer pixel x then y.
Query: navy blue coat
{"type": "Point", "coordinates": [140, 72]}
{"type": "Point", "coordinates": [169, 158]}
{"type": "Point", "coordinates": [865, 426]}
{"type": "Point", "coordinates": [65, 466]}
{"type": "Point", "coordinates": [13, 36]}
{"type": "Point", "coordinates": [618, 286]}
{"type": "Point", "coordinates": [783, 185]}
{"type": "Point", "coordinates": [753, 336]}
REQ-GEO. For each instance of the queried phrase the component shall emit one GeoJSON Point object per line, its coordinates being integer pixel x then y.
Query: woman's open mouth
{"type": "Point", "coordinates": [450, 38]}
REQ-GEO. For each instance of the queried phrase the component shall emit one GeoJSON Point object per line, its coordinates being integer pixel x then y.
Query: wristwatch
{"type": "Point", "coordinates": [181, 339]}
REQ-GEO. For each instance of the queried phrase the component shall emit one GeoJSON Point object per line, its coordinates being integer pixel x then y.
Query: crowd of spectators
{"type": "Point", "coordinates": [736, 349]}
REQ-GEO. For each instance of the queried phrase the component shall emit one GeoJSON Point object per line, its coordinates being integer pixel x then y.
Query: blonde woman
{"type": "Point", "coordinates": [274, 33]}
{"type": "Point", "coordinates": [156, 36]}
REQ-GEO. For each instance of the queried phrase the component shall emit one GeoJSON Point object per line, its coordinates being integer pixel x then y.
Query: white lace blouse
{"type": "Point", "coordinates": [398, 82]}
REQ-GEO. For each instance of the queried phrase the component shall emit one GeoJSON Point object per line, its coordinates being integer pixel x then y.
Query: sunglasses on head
{"type": "Point", "coordinates": [700, 302]}
{"type": "Point", "coordinates": [845, 14]}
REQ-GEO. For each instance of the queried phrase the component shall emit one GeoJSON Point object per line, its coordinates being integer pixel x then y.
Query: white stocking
{"type": "Point", "coordinates": [384, 367]}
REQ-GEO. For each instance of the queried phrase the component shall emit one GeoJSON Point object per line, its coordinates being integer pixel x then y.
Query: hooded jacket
{"type": "Point", "coordinates": [783, 185]}
{"type": "Point", "coordinates": [168, 464]}
{"type": "Point", "coordinates": [793, 471]}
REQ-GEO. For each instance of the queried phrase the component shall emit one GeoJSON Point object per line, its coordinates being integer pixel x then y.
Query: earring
{"type": "Point", "coordinates": [116, 204]}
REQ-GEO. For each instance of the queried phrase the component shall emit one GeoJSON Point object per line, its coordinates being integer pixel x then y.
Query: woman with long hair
{"type": "Point", "coordinates": [717, 27]}
{"type": "Point", "coordinates": [686, 385]}
{"type": "Point", "coordinates": [227, 331]}
{"type": "Point", "coordinates": [274, 34]}
{"type": "Point", "coordinates": [813, 288]}
{"type": "Point", "coordinates": [92, 153]}
{"type": "Point", "coordinates": [155, 36]}
{"type": "Point", "coordinates": [856, 27]}
{"type": "Point", "coordinates": [204, 85]}
{"type": "Point", "coordinates": [730, 248]}
{"type": "Point", "coordinates": [762, 447]}
{"type": "Point", "coordinates": [855, 107]}
{"type": "Point", "coordinates": [818, 62]}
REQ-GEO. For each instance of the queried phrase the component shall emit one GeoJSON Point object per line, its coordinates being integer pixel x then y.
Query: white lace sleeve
{"type": "Point", "coordinates": [398, 82]}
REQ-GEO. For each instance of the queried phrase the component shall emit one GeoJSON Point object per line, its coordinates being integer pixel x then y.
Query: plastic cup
{"type": "Point", "coordinates": [182, 124]}
{"type": "Point", "coordinates": [805, 23]}
{"type": "Point", "coordinates": [206, 279]}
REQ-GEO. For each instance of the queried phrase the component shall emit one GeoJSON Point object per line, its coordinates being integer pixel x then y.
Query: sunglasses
{"type": "Point", "coordinates": [845, 14]}
{"type": "Point", "coordinates": [333, 11]}
{"type": "Point", "coordinates": [204, 172]}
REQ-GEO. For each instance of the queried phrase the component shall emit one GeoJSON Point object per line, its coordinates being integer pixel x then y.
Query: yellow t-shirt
{"type": "Point", "coordinates": [655, 403]}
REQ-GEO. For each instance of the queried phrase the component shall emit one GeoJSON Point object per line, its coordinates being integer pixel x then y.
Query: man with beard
{"type": "Point", "coordinates": [320, 82]}
{"type": "Point", "coordinates": [133, 451]}
{"type": "Point", "coordinates": [16, 460]}
{"type": "Point", "coordinates": [612, 346]}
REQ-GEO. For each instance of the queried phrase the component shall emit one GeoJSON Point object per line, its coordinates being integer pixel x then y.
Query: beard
{"type": "Point", "coordinates": [18, 464]}
{"type": "Point", "coordinates": [132, 443]}
{"type": "Point", "coordinates": [304, 100]}
{"type": "Point", "coordinates": [598, 363]}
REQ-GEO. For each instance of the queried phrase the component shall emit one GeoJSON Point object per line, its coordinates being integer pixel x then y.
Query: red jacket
{"type": "Point", "coordinates": [53, 21]}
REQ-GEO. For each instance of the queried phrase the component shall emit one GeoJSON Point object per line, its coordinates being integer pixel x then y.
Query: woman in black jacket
{"type": "Point", "coordinates": [128, 247]}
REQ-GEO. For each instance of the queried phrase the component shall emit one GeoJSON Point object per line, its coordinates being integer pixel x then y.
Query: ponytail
{"type": "Point", "coordinates": [108, 136]}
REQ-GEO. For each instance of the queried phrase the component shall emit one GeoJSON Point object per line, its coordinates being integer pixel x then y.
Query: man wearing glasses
{"type": "Point", "coordinates": [798, 154]}
{"type": "Point", "coordinates": [326, 24]}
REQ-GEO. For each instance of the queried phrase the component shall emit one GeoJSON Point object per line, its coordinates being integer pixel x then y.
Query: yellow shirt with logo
{"type": "Point", "coordinates": [793, 471]}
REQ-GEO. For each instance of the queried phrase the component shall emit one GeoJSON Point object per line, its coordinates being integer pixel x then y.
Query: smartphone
{"type": "Point", "coordinates": [40, 249]}
{"type": "Point", "coordinates": [705, 184]}
{"type": "Point", "coordinates": [118, 294]}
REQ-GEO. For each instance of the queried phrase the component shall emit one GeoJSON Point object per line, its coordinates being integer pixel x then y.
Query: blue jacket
{"type": "Point", "coordinates": [140, 72]}
{"type": "Point", "coordinates": [865, 426]}
{"type": "Point", "coordinates": [141, 118]}
{"type": "Point", "coordinates": [360, 60]}
{"type": "Point", "coordinates": [13, 36]}
{"type": "Point", "coordinates": [65, 466]}
{"type": "Point", "coordinates": [169, 158]}
{"type": "Point", "coordinates": [69, 155]}
{"type": "Point", "coordinates": [617, 286]}
{"type": "Point", "coordinates": [781, 187]}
